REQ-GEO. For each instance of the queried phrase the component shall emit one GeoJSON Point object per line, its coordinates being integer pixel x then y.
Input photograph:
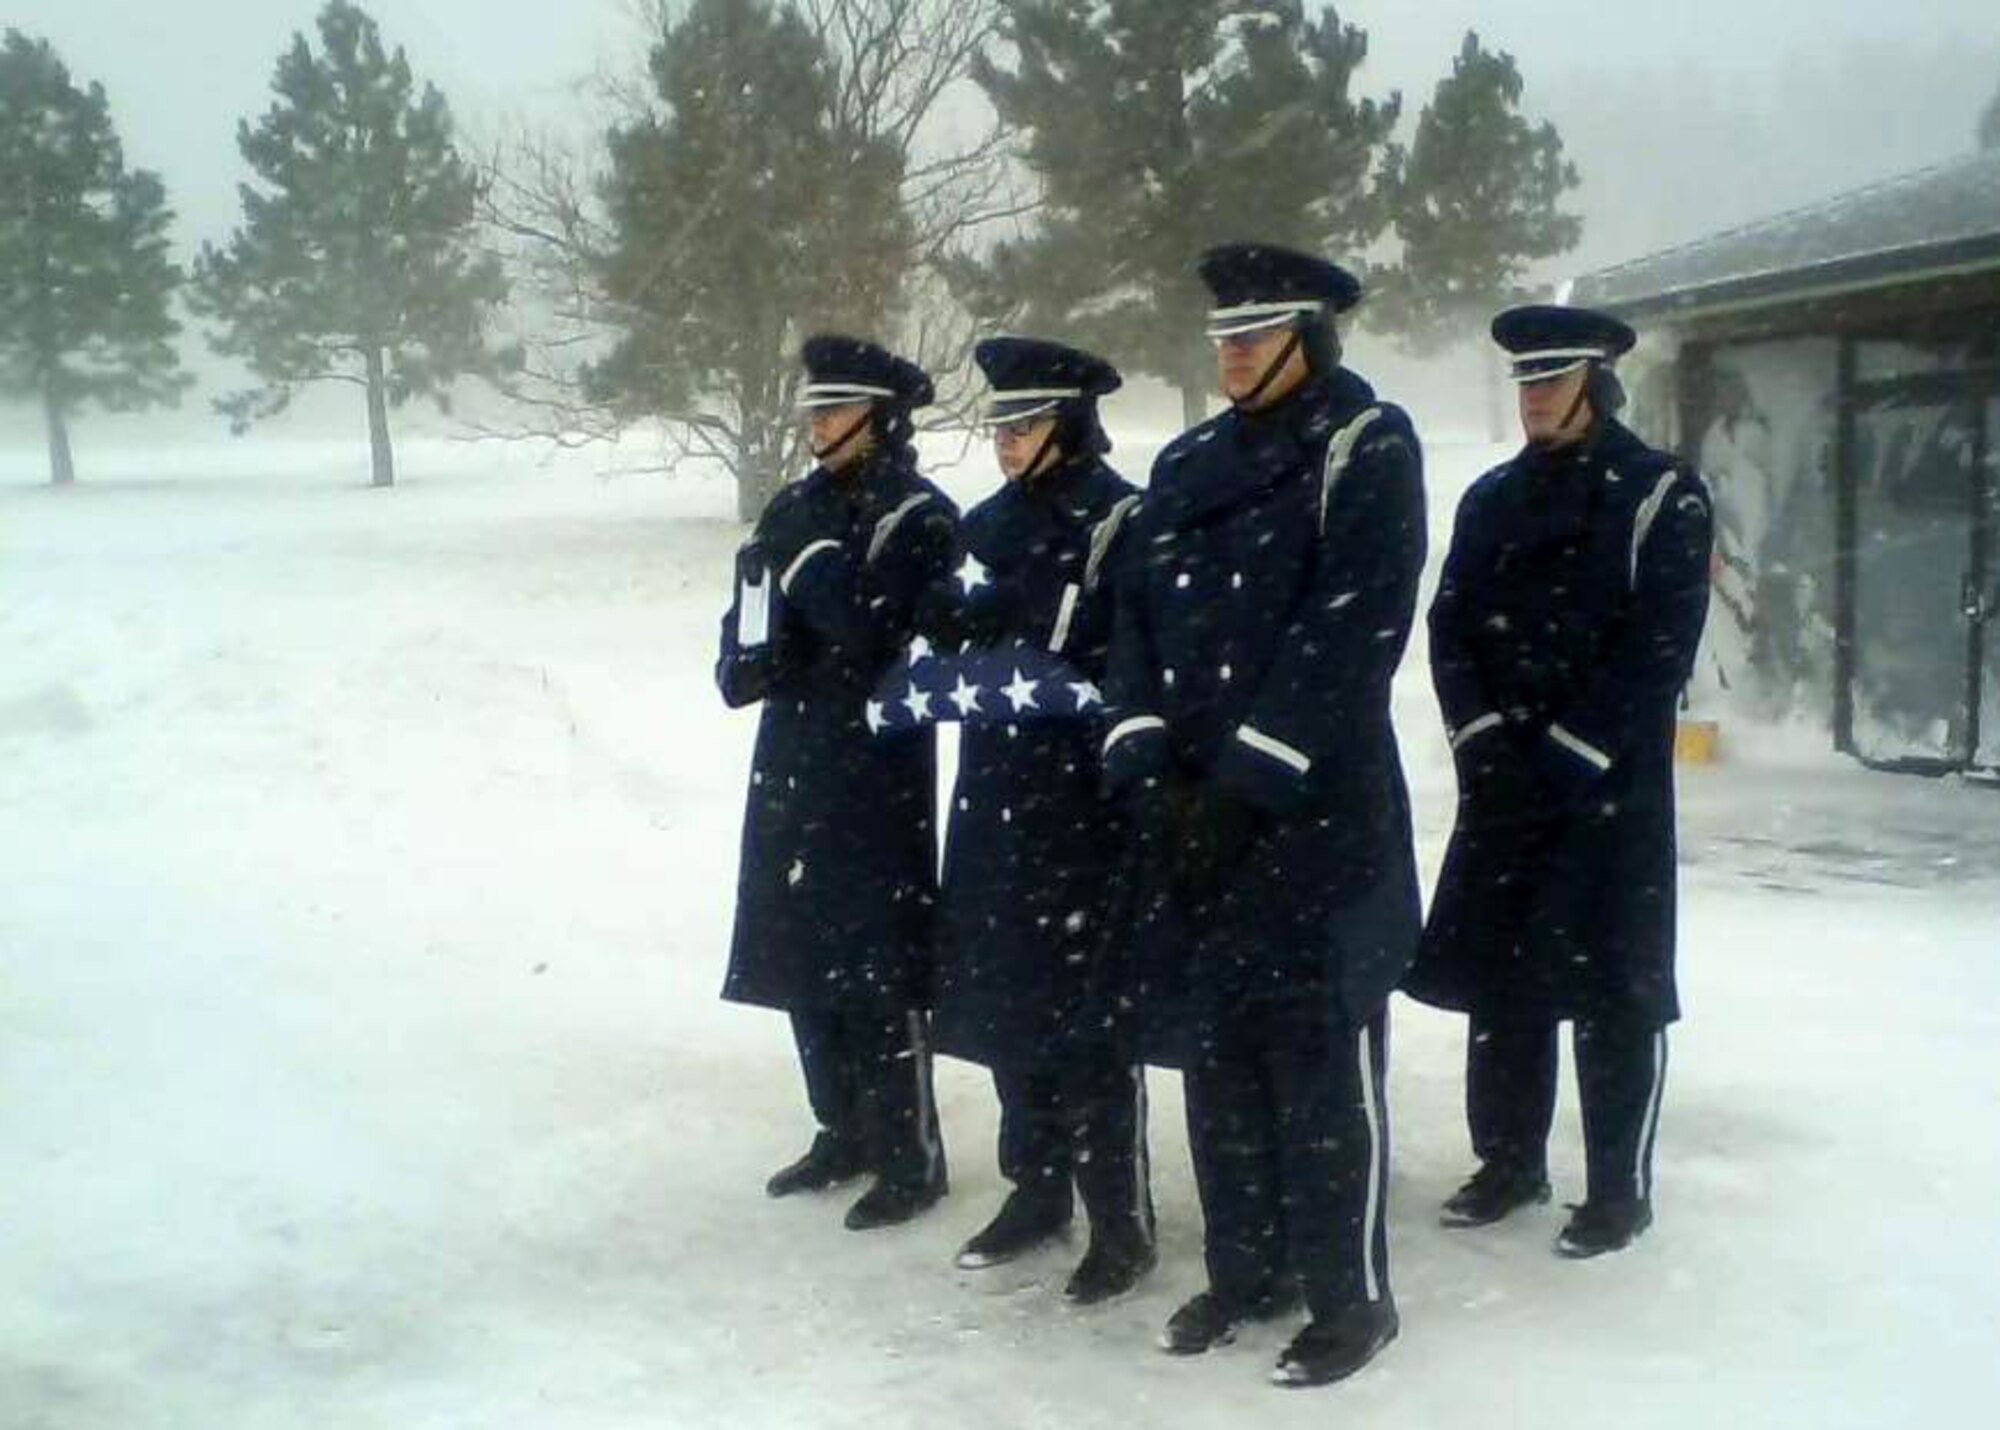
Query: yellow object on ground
{"type": "Point", "coordinates": [1697, 742]}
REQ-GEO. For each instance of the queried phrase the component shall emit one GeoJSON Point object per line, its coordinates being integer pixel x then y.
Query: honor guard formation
{"type": "Point", "coordinates": [1179, 834]}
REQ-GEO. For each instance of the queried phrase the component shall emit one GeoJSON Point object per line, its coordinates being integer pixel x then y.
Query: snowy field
{"type": "Point", "coordinates": [368, 862]}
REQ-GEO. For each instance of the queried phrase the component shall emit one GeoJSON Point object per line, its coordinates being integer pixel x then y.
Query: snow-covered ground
{"type": "Point", "coordinates": [367, 873]}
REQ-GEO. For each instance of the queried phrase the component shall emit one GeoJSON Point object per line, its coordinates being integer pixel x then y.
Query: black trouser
{"type": "Point", "coordinates": [868, 1077]}
{"type": "Point", "coordinates": [1510, 1097]}
{"type": "Point", "coordinates": [1290, 1134]}
{"type": "Point", "coordinates": [1082, 1121]}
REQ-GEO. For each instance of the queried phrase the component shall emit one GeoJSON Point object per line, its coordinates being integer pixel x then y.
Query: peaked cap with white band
{"type": "Point", "coordinates": [1032, 377]}
{"type": "Point", "coordinates": [1544, 341]}
{"type": "Point", "coordinates": [1258, 286]}
{"type": "Point", "coordinates": [842, 370]}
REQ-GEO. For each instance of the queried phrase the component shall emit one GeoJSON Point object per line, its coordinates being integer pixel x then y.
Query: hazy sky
{"type": "Point", "coordinates": [1681, 114]}
{"type": "Point", "coordinates": [1683, 118]}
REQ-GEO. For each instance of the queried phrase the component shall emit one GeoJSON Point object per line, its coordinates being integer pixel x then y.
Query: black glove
{"type": "Point", "coordinates": [1217, 830]}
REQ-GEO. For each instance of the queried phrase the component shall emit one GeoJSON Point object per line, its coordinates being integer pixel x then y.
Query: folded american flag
{"type": "Point", "coordinates": [995, 685]}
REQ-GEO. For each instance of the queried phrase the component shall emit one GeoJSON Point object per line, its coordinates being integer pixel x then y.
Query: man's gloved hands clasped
{"type": "Point", "coordinates": [1217, 830]}
{"type": "Point", "coordinates": [1195, 834]}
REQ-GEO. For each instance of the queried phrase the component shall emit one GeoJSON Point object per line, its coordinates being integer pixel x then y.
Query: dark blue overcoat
{"type": "Point", "coordinates": [836, 892]}
{"type": "Point", "coordinates": [1265, 598]}
{"type": "Point", "coordinates": [1033, 843]}
{"type": "Point", "coordinates": [1564, 627]}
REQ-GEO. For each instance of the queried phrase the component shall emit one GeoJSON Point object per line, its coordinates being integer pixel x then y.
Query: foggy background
{"type": "Point", "coordinates": [1681, 119]}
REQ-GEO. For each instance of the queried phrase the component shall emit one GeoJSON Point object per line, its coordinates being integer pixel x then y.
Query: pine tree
{"type": "Point", "coordinates": [1989, 124]}
{"type": "Point", "coordinates": [86, 283]}
{"type": "Point", "coordinates": [743, 217]}
{"type": "Point", "coordinates": [1158, 128]}
{"type": "Point", "coordinates": [1478, 202]}
{"type": "Point", "coordinates": [357, 260]}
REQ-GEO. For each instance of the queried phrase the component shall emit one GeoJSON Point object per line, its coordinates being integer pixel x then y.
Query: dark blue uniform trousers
{"type": "Point", "coordinates": [1510, 1097]}
{"type": "Point", "coordinates": [1290, 1133]}
{"type": "Point", "coordinates": [868, 1077]}
{"type": "Point", "coordinates": [1081, 1122]}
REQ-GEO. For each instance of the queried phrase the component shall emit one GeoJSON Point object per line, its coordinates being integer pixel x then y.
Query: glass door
{"type": "Point", "coordinates": [1917, 590]}
{"type": "Point", "coordinates": [1987, 753]}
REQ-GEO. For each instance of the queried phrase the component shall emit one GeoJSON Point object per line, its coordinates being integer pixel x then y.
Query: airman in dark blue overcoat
{"type": "Point", "coordinates": [1033, 844]}
{"type": "Point", "coordinates": [836, 897]}
{"type": "Point", "coordinates": [1564, 627]}
{"type": "Point", "coordinates": [1265, 598]}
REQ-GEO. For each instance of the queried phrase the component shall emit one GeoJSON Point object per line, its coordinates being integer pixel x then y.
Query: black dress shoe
{"type": "Point", "coordinates": [1334, 1347]}
{"type": "Point", "coordinates": [827, 1163]}
{"type": "Point", "coordinates": [1025, 1220]}
{"type": "Point", "coordinates": [1609, 1224]}
{"type": "Point", "coordinates": [892, 1203]}
{"type": "Point", "coordinates": [1493, 1192]}
{"type": "Point", "coordinates": [1208, 1321]}
{"type": "Point", "coordinates": [1118, 1257]}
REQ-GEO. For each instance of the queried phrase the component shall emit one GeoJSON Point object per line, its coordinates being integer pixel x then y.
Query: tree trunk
{"type": "Point", "coordinates": [378, 422]}
{"type": "Point", "coordinates": [753, 493]}
{"type": "Point", "coordinates": [62, 467]}
{"type": "Point", "coordinates": [757, 477]}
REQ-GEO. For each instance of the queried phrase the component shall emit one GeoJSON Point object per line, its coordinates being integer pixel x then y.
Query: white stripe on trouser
{"type": "Point", "coordinates": [1142, 1172]}
{"type": "Point", "coordinates": [920, 1064]}
{"type": "Point", "coordinates": [1649, 1129]}
{"type": "Point", "coordinates": [1371, 1104]}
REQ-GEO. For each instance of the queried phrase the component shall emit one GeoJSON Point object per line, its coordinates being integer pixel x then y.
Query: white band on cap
{"type": "Point", "coordinates": [1042, 400]}
{"type": "Point", "coordinates": [1025, 394]}
{"type": "Point", "coordinates": [1545, 374]}
{"type": "Point", "coordinates": [1541, 353]}
{"type": "Point", "coordinates": [1252, 317]}
{"type": "Point", "coordinates": [997, 418]}
{"type": "Point", "coordinates": [840, 394]}
{"type": "Point", "coordinates": [1522, 373]}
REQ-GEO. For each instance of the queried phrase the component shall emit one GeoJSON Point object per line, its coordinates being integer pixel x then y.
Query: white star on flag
{"type": "Point", "coordinates": [1021, 692]}
{"type": "Point", "coordinates": [972, 575]}
{"type": "Point", "coordinates": [1086, 694]}
{"type": "Point", "coordinates": [919, 702]}
{"type": "Point", "coordinates": [966, 697]}
{"type": "Point", "coordinates": [920, 649]}
{"type": "Point", "coordinates": [875, 720]}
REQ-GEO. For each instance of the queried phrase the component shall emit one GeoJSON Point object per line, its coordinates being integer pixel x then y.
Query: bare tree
{"type": "Point", "coordinates": [901, 70]}
{"type": "Point", "coordinates": [543, 221]}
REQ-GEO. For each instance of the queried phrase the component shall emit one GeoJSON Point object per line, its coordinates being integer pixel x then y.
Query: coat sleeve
{"type": "Point", "coordinates": [1135, 739]}
{"type": "Point", "coordinates": [1470, 710]}
{"type": "Point", "coordinates": [1344, 639]}
{"type": "Point", "coordinates": [1652, 652]}
{"type": "Point", "coordinates": [870, 602]}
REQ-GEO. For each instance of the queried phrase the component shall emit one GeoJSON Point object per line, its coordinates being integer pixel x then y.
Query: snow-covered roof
{"type": "Point", "coordinates": [1934, 222]}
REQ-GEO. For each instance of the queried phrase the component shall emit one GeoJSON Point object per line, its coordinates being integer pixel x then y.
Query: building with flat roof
{"type": "Point", "coordinates": [1834, 372]}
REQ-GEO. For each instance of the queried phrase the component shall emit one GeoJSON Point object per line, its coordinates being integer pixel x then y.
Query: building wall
{"type": "Point", "coordinates": [1854, 458]}
{"type": "Point", "coordinates": [1757, 419]}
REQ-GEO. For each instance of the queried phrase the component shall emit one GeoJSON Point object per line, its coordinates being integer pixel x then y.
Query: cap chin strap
{"type": "Point", "coordinates": [1034, 467]}
{"type": "Point", "coordinates": [821, 454]}
{"type": "Point", "coordinates": [1561, 437]}
{"type": "Point", "coordinates": [1248, 401]}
